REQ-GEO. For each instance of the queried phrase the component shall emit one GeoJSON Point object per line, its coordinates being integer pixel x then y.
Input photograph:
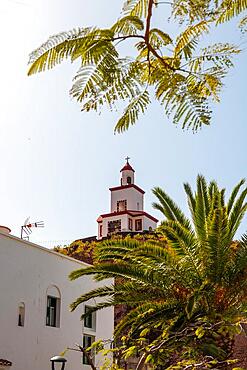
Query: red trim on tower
{"type": "Point", "coordinates": [127, 167]}
{"type": "Point", "coordinates": [128, 212]}
{"type": "Point", "coordinates": [126, 187]}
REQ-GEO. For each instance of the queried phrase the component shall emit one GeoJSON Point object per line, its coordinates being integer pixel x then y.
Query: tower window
{"type": "Point", "coordinates": [121, 205]}
{"type": "Point", "coordinates": [100, 230]}
{"type": "Point", "coordinates": [138, 225]}
{"type": "Point", "coordinates": [21, 314]}
{"type": "Point", "coordinates": [128, 180]}
{"type": "Point", "coordinates": [114, 226]}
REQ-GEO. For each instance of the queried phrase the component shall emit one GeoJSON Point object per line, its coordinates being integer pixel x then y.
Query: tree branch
{"type": "Point", "coordinates": [126, 37]}
{"type": "Point", "coordinates": [86, 354]}
{"type": "Point", "coordinates": [148, 22]}
{"type": "Point", "coordinates": [154, 52]}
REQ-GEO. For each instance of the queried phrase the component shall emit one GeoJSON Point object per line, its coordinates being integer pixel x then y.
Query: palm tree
{"type": "Point", "coordinates": [186, 291]}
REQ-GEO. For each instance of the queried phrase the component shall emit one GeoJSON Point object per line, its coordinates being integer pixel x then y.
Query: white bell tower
{"type": "Point", "coordinates": [127, 215]}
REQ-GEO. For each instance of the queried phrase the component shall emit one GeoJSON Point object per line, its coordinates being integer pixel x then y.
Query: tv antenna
{"type": "Point", "coordinates": [26, 229]}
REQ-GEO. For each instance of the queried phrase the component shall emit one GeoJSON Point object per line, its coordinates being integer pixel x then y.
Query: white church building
{"type": "Point", "coordinates": [35, 320]}
{"type": "Point", "coordinates": [127, 213]}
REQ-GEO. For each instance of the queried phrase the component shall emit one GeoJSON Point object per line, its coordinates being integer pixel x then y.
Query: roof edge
{"type": "Point", "coordinates": [122, 187]}
{"type": "Point", "coordinates": [44, 249]}
{"type": "Point", "coordinates": [128, 212]}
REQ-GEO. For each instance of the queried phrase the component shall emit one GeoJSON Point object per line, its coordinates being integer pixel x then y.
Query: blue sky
{"type": "Point", "coordinates": [58, 163]}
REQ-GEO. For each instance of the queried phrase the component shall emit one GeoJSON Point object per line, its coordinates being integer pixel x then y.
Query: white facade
{"type": "Point", "coordinates": [133, 197]}
{"type": "Point", "coordinates": [127, 208]}
{"type": "Point", "coordinates": [126, 220]}
{"type": "Point", "coordinates": [29, 274]}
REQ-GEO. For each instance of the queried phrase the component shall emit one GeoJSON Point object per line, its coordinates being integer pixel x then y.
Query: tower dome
{"type": "Point", "coordinates": [127, 174]}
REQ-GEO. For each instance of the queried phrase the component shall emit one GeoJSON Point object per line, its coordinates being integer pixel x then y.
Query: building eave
{"type": "Point", "coordinates": [44, 249]}
{"type": "Point", "coordinates": [122, 187]}
{"type": "Point", "coordinates": [127, 212]}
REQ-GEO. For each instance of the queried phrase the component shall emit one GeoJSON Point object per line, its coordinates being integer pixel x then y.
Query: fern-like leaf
{"type": "Point", "coordinates": [128, 25]}
{"type": "Point", "coordinates": [57, 48]}
{"type": "Point", "coordinates": [137, 105]}
{"type": "Point", "coordinates": [158, 38]}
{"type": "Point", "coordinates": [187, 40]}
{"type": "Point", "coordinates": [230, 9]}
{"type": "Point", "coordinates": [243, 24]}
{"type": "Point", "coordinates": [136, 7]}
{"type": "Point", "coordinates": [217, 55]}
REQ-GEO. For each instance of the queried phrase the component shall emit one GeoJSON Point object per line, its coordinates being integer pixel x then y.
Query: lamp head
{"type": "Point", "coordinates": [58, 359]}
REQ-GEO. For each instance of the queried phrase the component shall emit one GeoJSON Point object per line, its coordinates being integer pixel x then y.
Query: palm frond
{"type": "Point", "coordinates": [169, 208]}
{"type": "Point", "coordinates": [233, 196]}
{"type": "Point", "coordinates": [99, 306]}
{"type": "Point", "coordinates": [105, 291]}
{"type": "Point", "coordinates": [238, 211]}
{"type": "Point", "coordinates": [241, 257]}
{"type": "Point", "coordinates": [122, 247]}
{"type": "Point", "coordinates": [190, 198]}
{"type": "Point", "coordinates": [184, 243]}
{"type": "Point", "coordinates": [201, 209]}
{"type": "Point", "coordinates": [218, 244]}
{"type": "Point", "coordinates": [144, 315]}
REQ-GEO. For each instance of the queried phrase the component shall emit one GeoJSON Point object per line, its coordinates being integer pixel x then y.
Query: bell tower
{"type": "Point", "coordinates": [127, 174]}
{"type": "Point", "coordinates": [127, 215]}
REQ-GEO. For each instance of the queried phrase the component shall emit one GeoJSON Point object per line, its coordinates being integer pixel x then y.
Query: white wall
{"type": "Point", "coordinates": [125, 175]}
{"type": "Point", "coordinates": [26, 271]}
{"type": "Point", "coordinates": [132, 196]}
{"type": "Point", "coordinates": [147, 223]}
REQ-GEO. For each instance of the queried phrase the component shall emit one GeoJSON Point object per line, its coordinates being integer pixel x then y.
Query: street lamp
{"type": "Point", "coordinates": [58, 359]}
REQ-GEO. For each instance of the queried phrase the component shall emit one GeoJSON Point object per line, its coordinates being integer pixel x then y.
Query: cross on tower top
{"type": "Point", "coordinates": [127, 159]}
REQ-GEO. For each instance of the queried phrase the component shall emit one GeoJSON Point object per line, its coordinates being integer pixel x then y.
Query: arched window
{"type": "Point", "coordinates": [128, 180]}
{"type": "Point", "coordinates": [21, 314]}
{"type": "Point", "coordinates": [53, 305]}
